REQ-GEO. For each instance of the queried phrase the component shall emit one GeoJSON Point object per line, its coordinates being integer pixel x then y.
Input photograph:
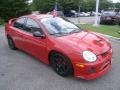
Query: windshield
{"type": "Point", "coordinates": [58, 25]}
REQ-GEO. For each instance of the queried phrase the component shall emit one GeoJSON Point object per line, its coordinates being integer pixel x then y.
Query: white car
{"type": "Point", "coordinates": [74, 12]}
{"type": "Point", "coordinates": [94, 13]}
{"type": "Point", "coordinates": [83, 14]}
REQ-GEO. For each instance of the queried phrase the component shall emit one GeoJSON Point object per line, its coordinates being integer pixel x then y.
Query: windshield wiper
{"type": "Point", "coordinates": [75, 31]}
{"type": "Point", "coordinates": [57, 33]}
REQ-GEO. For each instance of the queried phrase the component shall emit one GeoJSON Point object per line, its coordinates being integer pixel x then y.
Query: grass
{"type": "Point", "coordinates": [111, 30]}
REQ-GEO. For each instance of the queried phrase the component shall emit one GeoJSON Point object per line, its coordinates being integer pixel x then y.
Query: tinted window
{"type": "Point", "coordinates": [19, 23]}
{"type": "Point", "coordinates": [32, 26]}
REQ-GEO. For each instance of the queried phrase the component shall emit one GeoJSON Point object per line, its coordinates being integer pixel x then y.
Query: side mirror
{"type": "Point", "coordinates": [38, 34]}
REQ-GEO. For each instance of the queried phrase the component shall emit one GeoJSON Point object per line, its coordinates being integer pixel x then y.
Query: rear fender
{"type": "Point", "coordinates": [10, 23]}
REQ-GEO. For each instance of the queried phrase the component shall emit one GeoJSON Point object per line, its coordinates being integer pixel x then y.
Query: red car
{"type": "Point", "coordinates": [60, 43]}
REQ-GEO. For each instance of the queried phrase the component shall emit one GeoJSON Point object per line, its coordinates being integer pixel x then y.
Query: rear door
{"type": "Point", "coordinates": [17, 31]}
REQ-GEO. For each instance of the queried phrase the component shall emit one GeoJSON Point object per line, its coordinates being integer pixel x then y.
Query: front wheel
{"type": "Point", "coordinates": [61, 64]}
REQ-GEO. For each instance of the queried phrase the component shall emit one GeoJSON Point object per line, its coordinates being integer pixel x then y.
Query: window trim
{"type": "Point", "coordinates": [37, 24]}
{"type": "Point", "coordinates": [23, 23]}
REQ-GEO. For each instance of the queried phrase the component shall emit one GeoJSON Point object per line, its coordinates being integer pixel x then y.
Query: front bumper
{"type": "Point", "coordinates": [95, 75]}
{"type": "Point", "coordinates": [94, 70]}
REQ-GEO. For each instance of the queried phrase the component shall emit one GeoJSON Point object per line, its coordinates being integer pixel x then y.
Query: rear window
{"type": "Point", "coordinates": [109, 13]}
{"type": "Point", "coordinates": [19, 23]}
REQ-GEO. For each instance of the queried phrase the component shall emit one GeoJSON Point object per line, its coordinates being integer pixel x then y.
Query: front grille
{"type": "Point", "coordinates": [105, 65]}
{"type": "Point", "coordinates": [105, 54]}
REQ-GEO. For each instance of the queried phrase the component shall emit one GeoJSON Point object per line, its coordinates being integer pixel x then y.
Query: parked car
{"type": "Point", "coordinates": [71, 13]}
{"type": "Point", "coordinates": [108, 17]}
{"type": "Point", "coordinates": [94, 13]}
{"type": "Point", "coordinates": [86, 14]}
{"type": "Point", "coordinates": [118, 18]}
{"type": "Point", "coordinates": [80, 14]}
{"type": "Point", "coordinates": [83, 14]}
{"type": "Point", "coordinates": [61, 44]}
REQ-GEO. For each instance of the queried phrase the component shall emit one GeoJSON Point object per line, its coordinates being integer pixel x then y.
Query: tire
{"type": "Point", "coordinates": [11, 43]}
{"type": "Point", "coordinates": [113, 22]}
{"type": "Point", "coordinates": [61, 64]}
{"type": "Point", "coordinates": [101, 22]}
{"type": "Point", "coordinates": [118, 22]}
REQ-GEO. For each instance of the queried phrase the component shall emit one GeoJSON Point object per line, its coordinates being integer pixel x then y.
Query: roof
{"type": "Point", "coordinates": [39, 16]}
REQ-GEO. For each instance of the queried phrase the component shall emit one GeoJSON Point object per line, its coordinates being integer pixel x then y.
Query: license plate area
{"type": "Point", "coordinates": [108, 18]}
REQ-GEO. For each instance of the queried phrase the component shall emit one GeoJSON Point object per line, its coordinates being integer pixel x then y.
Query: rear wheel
{"type": "Point", "coordinates": [11, 43]}
{"type": "Point", "coordinates": [61, 64]}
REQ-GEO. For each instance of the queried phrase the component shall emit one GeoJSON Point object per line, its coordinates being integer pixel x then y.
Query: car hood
{"type": "Point", "coordinates": [85, 41]}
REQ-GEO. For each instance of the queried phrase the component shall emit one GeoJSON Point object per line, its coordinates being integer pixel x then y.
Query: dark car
{"type": "Point", "coordinates": [71, 13]}
{"type": "Point", "coordinates": [108, 17]}
{"type": "Point", "coordinates": [118, 18]}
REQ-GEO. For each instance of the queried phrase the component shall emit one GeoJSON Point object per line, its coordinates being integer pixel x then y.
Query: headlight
{"type": "Point", "coordinates": [89, 56]}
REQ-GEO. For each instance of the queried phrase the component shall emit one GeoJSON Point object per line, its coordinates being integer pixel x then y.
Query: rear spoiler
{"type": "Point", "coordinates": [11, 21]}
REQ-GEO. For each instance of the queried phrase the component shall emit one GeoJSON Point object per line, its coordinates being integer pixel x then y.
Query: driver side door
{"type": "Point", "coordinates": [36, 46]}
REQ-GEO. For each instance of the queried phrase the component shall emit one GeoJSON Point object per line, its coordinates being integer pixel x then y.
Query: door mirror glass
{"type": "Point", "coordinates": [38, 34]}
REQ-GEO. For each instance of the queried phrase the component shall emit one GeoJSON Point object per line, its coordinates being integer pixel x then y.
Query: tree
{"type": "Point", "coordinates": [43, 5]}
{"type": "Point", "coordinates": [85, 5]}
{"type": "Point", "coordinates": [13, 8]}
{"type": "Point", "coordinates": [67, 5]}
{"type": "Point", "coordinates": [105, 4]}
{"type": "Point", "coordinates": [117, 5]}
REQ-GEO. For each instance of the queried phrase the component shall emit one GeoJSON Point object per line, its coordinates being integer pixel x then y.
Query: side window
{"type": "Point", "coordinates": [32, 26]}
{"type": "Point", "coordinates": [19, 23]}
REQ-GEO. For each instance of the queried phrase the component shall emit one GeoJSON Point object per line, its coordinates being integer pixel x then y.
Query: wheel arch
{"type": "Point", "coordinates": [8, 36]}
{"type": "Point", "coordinates": [55, 51]}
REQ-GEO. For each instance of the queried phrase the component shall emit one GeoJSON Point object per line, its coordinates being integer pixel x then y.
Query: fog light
{"type": "Point", "coordinates": [80, 65]}
{"type": "Point", "coordinates": [92, 70]}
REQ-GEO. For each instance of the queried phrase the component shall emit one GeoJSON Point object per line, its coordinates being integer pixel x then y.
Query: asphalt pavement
{"type": "Point", "coordinates": [20, 71]}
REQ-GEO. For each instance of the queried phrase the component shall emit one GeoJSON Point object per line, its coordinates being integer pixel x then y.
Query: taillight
{"type": "Point", "coordinates": [113, 17]}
